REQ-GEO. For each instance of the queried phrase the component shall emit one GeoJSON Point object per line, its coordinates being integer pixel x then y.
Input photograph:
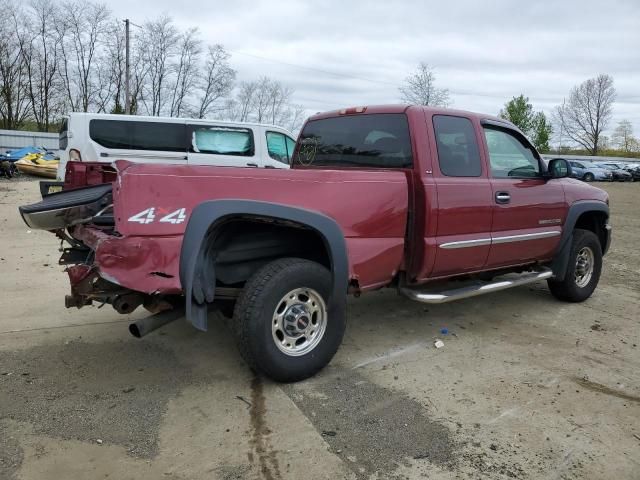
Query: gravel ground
{"type": "Point", "coordinates": [524, 387]}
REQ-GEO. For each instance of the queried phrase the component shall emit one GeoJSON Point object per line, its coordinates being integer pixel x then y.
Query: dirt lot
{"type": "Point", "coordinates": [525, 386]}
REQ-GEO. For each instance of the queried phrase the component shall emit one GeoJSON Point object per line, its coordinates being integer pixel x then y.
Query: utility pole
{"type": "Point", "coordinates": [127, 74]}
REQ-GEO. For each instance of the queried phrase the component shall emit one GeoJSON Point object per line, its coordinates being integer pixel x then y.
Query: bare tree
{"type": "Point", "coordinates": [587, 113]}
{"type": "Point", "coordinates": [158, 46]}
{"type": "Point", "coordinates": [185, 71]}
{"type": "Point", "coordinates": [293, 117]}
{"type": "Point", "coordinates": [265, 100]}
{"type": "Point", "coordinates": [41, 52]}
{"type": "Point", "coordinates": [84, 25]}
{"type": "Point", "coordinates": [420, 88]}
{"type": "Point", "coordinates": [14, 104]}
{"type": "Point", "coordinates": [241, 107]}
{"type": "Point", "coordinates": [60, 57]}
{"type": "Point", "coordinates": [139, 72]}
{"type": "Point", "coordinates": [216, 82]}
{"type": "Point", "coordinates": [111, 70]}
{"type": "Point", "coordinates": [623, 137]}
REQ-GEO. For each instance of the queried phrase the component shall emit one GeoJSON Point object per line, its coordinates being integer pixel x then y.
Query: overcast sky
{"type": "Point", "coordinates": [359, 52]}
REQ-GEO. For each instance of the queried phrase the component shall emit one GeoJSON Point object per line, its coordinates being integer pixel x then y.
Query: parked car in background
{"type": "Point", "coordinates": [619, 173]}
{"type": "Point", "coordinates": [631, 167]}
{"type": "Point", "coordinates": [105, 138]}
{"type": "Point", "coordinates": [589, 172]}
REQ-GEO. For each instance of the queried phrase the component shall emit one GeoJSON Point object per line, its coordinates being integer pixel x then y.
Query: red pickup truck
{"type": "Point", "coordinates": [440, 204]}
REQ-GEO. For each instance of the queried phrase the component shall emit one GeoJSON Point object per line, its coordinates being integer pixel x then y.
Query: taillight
{"type": "Point", "coordinates": [74, 155]}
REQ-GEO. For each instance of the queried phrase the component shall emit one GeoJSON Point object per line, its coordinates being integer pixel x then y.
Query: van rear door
{"type": "Point", "coordinates": [221, 145]}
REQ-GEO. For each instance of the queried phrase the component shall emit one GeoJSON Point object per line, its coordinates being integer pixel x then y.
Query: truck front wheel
{"type": "Point", "coordinates": [283, 326]}
{"type": "Point", "coordinates": [583, 271]}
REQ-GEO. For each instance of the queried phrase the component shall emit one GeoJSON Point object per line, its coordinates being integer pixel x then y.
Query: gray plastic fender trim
{"type": "Point", "coordinates": [560, 261]}
{"type": "Point", "coordinates": [208, 215]}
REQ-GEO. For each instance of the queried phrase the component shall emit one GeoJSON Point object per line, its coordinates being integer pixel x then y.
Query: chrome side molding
{"type": "Point", "coordinates": [497, 240]}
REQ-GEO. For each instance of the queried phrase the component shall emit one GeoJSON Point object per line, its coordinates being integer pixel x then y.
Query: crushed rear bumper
{"type": "Point", "coordinates": [149, 265]}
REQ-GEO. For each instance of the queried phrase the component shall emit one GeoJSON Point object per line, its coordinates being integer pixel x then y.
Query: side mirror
{"type": "Point", "coordinates": [558, 168]}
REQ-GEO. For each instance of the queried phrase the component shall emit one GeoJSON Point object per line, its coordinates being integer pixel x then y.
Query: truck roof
{"type": "Point", "coordinates": [401, 108]}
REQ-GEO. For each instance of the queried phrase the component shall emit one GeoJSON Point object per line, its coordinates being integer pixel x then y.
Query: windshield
{"type": "Point", "coordinates": [377, 141]}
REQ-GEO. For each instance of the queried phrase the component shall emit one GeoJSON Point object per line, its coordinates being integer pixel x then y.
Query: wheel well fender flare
{"type": "Point", "coordinates": [560, 262]}
{"type": "Point", "coordinates": [208, 215]}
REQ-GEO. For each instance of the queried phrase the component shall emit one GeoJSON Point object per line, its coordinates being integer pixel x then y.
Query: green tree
{"type": "Point", "coordinates": [117, 108]}
{"type": "Point", "coordinates": [541, 132]}
{"type": "Point", "coordinates": [533, 124]}
{"type": "Point", "coordinates": [519, 111]}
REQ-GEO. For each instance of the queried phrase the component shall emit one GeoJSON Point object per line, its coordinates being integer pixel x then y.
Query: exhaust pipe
{"type": "Point", "coordinates": [147, 325]}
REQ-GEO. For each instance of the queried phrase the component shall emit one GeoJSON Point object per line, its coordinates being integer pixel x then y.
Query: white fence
{"type": "Point", "coordinates": [14, 139]}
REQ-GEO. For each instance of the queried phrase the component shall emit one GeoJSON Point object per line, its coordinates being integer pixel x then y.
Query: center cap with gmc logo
{"type": "Point", "coordinates": [296, 320]}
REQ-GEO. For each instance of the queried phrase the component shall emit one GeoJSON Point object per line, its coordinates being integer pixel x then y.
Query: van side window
{"type": "Point", "coordinates": [135, 135]}
{"type": "Point", "coordinates": [509, 155]}
{"type": "Point", "coordinates": [222, 140]}
{"type": "Point", "coordinates": [280, 147]}
{"type": "Point", "coordinates": [458, 153]}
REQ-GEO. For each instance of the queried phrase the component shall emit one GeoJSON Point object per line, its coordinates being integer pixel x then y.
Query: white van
{"type": "Point", "coordinates": [95, 137]}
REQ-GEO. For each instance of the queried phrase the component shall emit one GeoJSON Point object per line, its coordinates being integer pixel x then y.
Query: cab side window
{"type": "Point", "coordinates": [509, 156]}
{"type": "Point", "coordinates": [280, 147]}
{"type": "Point", "coordinates": [458, 153]}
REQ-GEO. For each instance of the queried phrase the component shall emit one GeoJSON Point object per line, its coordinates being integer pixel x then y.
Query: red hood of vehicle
{"type": "Point", "coordinates": [577, 190]}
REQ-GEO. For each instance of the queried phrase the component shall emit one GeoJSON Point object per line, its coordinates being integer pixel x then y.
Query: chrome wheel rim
{"type": "Point", "coordinates": [299, 322]}
{"type": "Point", "coordinates": [584, 266]}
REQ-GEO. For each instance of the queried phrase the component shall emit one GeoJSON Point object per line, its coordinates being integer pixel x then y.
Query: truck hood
{"type": "Point", "coordinates": [577, 190]}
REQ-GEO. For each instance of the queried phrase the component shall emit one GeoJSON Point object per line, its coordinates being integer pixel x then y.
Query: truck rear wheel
{"type": "Point", "coordinates": [583, 272]}
{"type": "Point", "coordinates": [282, 323]}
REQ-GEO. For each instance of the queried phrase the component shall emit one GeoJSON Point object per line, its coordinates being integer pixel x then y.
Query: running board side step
{"type": "Point", "coordinates": [478, 288]}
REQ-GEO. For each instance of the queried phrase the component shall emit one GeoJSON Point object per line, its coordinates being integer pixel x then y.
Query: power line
{"type": "Point", "coordinates": [356, 77]}
{"type": "Point", "coordinates": [313, 69]}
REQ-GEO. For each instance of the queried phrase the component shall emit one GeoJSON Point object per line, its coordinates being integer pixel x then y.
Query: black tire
{"type": "Point", "coordinates": [568, 289]}
{"type": "Point", "coordinates": [588, 177]}
{"type": "Point", "coordinates": [254, 313]}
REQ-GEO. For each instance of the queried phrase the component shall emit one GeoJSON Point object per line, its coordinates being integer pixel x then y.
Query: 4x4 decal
{"type": "Point", "coordinates": [149, 216]}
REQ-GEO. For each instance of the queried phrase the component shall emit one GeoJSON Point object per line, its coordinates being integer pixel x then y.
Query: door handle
{"type": "Point", "coordinates": [252, 165]}
{"type": "Point", "coordinates": [503, 197]}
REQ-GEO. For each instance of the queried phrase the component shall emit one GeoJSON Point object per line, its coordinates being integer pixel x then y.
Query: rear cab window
{"type": "Point", "coordinates": [360, 141]}
{"type": "Point", "coordinates": [458, 153]}
{"type": "Point", "coordinates": [221, 140]}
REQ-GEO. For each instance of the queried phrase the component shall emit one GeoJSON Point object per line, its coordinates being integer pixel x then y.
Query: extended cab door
{"type": "Point", "coordinates": [221, 145]}
{"type": "Point", "coordinates": [528, 210]}
{"type": "Point", "coordinates": [461, 221]}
